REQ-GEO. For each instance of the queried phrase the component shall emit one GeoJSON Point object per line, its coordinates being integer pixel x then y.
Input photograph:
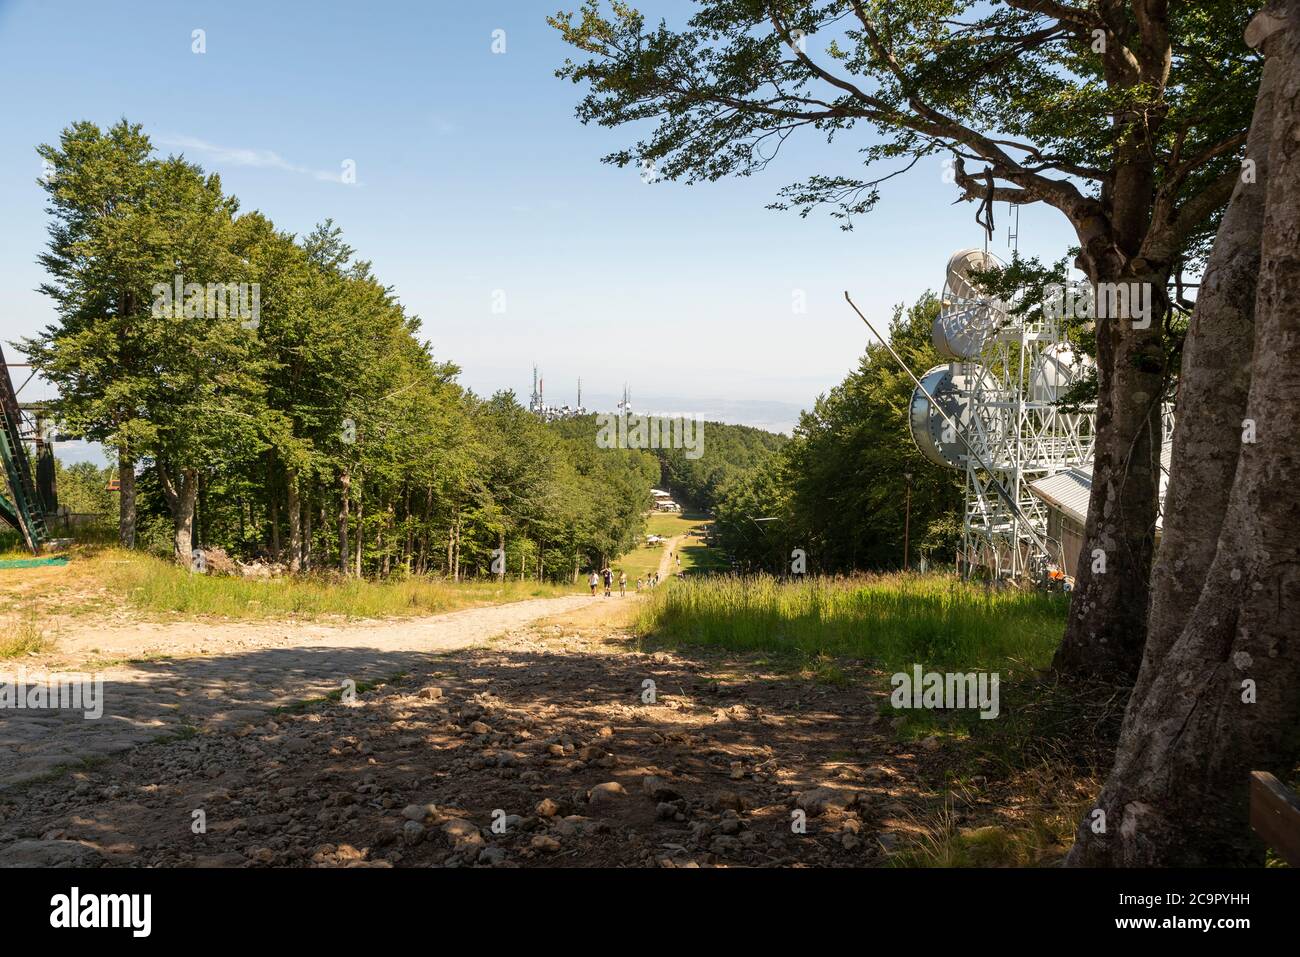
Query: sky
{"type": "Point", "coordinates": [475, 185]}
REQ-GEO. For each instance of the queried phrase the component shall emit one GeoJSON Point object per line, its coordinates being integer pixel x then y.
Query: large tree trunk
{"type": "Point", "coordinates": [360, 537]}
{"type": "Point", "coordinates": [1106, 628]}
{"type": "Point", "coordinates": [307, 513]}
{"type": "Point", "coordinates": [1223, 701]}
{"type": "Point", "coordinates": [181, 493]}
{"type": "Point", "coordinates": [126, 504]}
{"type": "Point", "coordinates": [1213, 384]}
{"type": "Point", "coordinates": [455, 572]}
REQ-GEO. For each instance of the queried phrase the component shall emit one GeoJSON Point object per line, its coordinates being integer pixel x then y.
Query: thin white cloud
{"type": "Point", "coordinates": [242, 156]}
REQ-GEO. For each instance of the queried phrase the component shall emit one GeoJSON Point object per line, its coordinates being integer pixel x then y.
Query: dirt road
{"type": "Point", "coordinates": [561, 743]}
{"type": "Point", "coordinates": [193, 675]}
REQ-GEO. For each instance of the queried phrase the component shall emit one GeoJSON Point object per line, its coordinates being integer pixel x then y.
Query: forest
{"type": "Point", "coordinates": [301, 420]}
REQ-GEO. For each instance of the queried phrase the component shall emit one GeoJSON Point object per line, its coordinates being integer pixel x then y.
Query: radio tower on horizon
{"type": "Point", "coordinates": [535, 404]}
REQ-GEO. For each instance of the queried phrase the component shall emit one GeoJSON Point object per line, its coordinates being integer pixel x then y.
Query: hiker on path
{"type": "Point", "coordinates": [609, 580]}
{"type": "Point", "coordinates": [593, 581]}
{"type": "Point", "coordinates": [622, 584]}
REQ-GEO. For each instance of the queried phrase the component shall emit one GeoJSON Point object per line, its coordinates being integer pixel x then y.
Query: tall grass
{"type": "Point", "coordinates": [21, 636]}
{"type": "Point", "coordinates": [894, 621]}
{"type": "Point", "coordinates": [158, 586]}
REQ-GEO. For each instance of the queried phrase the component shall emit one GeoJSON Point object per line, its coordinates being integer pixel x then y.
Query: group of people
{"type": "Point", "coordinates": [606, 577]}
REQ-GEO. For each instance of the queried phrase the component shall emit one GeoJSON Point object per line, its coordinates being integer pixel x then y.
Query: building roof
{"type": "Point", "coordinates": [1068, 491]}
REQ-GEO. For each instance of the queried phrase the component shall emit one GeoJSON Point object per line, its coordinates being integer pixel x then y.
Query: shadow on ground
{"type": "Point", "coordinates": [518, 755]}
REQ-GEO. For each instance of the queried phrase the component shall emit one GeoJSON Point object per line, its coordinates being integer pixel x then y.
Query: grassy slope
{"type": "Point", "coordinates": [895, 620]}
{"type": "Point", "coordinates": [1039, 760]}
{"type": "Point", "coordinates": [99, 579]}
{"type": "Point", "coordinates": [644, 560]}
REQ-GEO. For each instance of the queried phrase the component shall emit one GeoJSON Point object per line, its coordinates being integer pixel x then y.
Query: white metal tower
{"type": "Point", "coordinates": [999, 391]}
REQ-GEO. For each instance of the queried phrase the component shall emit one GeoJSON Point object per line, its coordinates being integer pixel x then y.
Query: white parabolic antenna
{"type": "Point", "coordinates": [968, 317]}
{"type": "Point", "coordinates": [1056, 369]}
{"type": "Point", "coordinates": [934, 434]}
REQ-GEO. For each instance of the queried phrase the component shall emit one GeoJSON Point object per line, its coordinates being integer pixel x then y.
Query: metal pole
{"type": "Point", "coordinates": [907, 521]}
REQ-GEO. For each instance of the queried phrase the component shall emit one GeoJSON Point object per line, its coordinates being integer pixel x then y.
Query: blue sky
{"type": "Point", "coordinates": [473, 176]}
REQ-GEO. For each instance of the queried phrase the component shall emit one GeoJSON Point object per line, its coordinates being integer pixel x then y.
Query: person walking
{"type": "Point", "coordinates": [622, 584]}
{"type": "Point", "coordinates": [593, 581]}
{"type": "Point", "coordinates": [609, 580]}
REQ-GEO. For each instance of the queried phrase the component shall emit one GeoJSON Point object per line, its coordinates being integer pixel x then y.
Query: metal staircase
{"type": "Point", "coordinates": [23, 509]}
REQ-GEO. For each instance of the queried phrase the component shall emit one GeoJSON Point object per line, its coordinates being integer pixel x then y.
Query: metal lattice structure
{"type": "Point", "coordinates": [992, 413]}
{"type": "Point", "coordinates": [1020, 435]}
{"type": "Point", "coordinates": [23, 507]}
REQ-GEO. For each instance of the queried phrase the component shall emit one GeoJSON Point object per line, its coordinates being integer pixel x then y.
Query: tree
{"type": "Point", "coordinates": [203, 400]}
{"type": "Point", "coordinates": [1127, 117]}
{"type": "Point", "coordinates": [103, 255]}
{"type": "Point", "coordinates": [1216, 697]}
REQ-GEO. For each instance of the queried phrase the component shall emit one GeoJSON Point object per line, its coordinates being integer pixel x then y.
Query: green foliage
{"type": "Point", "coordinates": [315, 428]}
{"type": "Point", "coordinates": [1057, 102]}
{"type": "Point", "coordinates": [729, 453]}
{"type": "Point", "coordinates": [83, 489]}
{"type": "Point", "coordinates": [838, 489]}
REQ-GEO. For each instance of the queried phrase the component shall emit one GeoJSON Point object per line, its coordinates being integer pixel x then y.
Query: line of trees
{"type": "Point", "coordinates": [1128, 118]}
{"type": "Point", "coordinates": [266, 393]}
{"type": "Point", "coordinates": [730, 453]}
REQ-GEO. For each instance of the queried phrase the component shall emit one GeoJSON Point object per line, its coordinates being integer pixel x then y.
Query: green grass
{"type": "Point", "coordinates": [669, 524]}
{"type": "Point", "coordinates": [893, 621]}
{"type": "Point", "coordinates": [155, 586]}
{"type": "Point", "coordinates": [644, 560]}
{"type": "Point", "coordinates": [640, 562]}
{"type": "Point", "coordinates": [20, 637]}
{"type": "Point", "coordinates": [1045, 754]}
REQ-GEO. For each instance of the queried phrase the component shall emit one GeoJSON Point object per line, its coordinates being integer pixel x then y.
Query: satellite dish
{"type": "Point", "coordinates": [967, 317]}
{"type": "Point", "coordinates": [1057, 368]}
{"type": "Point", "coordinates": [934, 437]}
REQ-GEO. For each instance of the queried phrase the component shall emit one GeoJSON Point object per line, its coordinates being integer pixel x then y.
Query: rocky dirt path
{"type": "Point", "coordinates": [189, 675]}
{"type": "Point", "coordinates": [561, 744]}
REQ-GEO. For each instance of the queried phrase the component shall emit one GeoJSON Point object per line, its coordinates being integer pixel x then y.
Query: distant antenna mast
{"type": "Point", "coordinates": [1013, 228]}
{"type": "Point", "coordinates": [535, 400]}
